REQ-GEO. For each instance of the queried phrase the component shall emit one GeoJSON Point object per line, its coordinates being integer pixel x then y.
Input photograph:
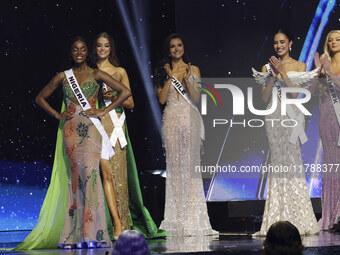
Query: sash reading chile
{"type": "Point", "coordinates": [179, 87]}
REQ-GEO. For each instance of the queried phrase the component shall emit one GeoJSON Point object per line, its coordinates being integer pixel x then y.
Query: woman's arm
{"type": "Point", "coordinates": [128, 103]}
{"type": "Point", "coordinates": [162, 92]}
{"type": "Point", "coordinates": [123, 94]}
{"type": "Point", "coordinates": [193, 90]}
{"type": "Point", "coordinates": [267, 90]}
{"type": "Point", "coordinates": [315, 84]}
{"type": "Point", "coordinates": [327, 67]}
{"type": "Point", "coordinates": [46, 93]}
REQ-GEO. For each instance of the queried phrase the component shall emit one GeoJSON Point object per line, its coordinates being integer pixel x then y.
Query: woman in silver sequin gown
{"type": "Point", "coordinates": [287, 193]}
{"type": "Point", "coordinates": [185, 205]}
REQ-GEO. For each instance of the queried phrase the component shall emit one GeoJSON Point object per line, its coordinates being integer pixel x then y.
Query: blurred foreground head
{"type": "Point", "coordinates": [131, 242]}
{"type": "Point", "coordinates": [283, 238]}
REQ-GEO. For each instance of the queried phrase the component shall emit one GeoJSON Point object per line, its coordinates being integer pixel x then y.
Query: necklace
{"type": "Point", "coordinates": [285, 61]}
{"type": "Point", "coordinates": [74, 71]}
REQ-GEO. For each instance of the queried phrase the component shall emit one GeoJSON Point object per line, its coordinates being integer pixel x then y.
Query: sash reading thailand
{"type": "Point", "coordinates": [298, 131]}
{"type": "Point", "coordinates": [182, 91]}
{"type": "Point", "coordinates": [335, 101]}
{"type": "Point", "coordinates": [118, 123]}
{"type": "Point", "coordinates": [107, 150]}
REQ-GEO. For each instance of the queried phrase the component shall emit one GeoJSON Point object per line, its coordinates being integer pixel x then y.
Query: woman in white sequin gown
{"type": "Point", "coordinates": [287, 193]}
{"type": "Point", "coordinates": [185, 206]}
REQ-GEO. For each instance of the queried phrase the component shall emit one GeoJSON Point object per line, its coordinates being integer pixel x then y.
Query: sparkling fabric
{"type": "Point", "coordinates": [131, 210]}
{"type": "Point", "coordinates": [89, 88]}
{"type": "Point", "coordinates": [118, 168]}
{"type": "Point", "coordinates": [85, 219]}
{"type": "Point", "coordinates": [287, 194]}
{"type": "Point", "coordinates": [329, 133]}
{"type": "Point", "coordinates": [185, 206]}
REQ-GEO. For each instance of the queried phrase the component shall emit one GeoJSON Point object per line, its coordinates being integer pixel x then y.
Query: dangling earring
{"type": "Point", "coordinates": [290, 48]}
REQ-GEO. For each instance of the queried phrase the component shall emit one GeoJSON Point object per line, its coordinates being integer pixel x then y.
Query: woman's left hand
{"type": "Point", "coordinates": [277, 65]}
{"type": "Point", "coordinates": [109, 96]}
{"type": "Point", "coordinates": [188, 72]}
{"type": "Point", "coordinates": [327, 66]}
{"type": "Point", "coordinates": [94, 112]}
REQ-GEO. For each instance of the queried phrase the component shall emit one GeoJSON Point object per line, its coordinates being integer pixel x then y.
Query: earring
{"type": "Point", "coordinates": [290, 48]}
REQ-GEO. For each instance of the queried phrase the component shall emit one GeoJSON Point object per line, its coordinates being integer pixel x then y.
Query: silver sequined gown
{"type": "Point", "coordinates": [287, 194]}
{"type": "Point", "coordinates": [185, 204]}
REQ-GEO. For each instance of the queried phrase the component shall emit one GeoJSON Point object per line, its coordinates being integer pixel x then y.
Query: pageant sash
{"type": "Point", "coordinates": [298, 131]}
{"type": "Point", "coordinates": [335, 101]}
{"type": "Point", "coordinates": [107, 150]}
{"type": "Point", "coordinates": [118, 123]}
{"type": "Point", "coordinates": [182, 91]}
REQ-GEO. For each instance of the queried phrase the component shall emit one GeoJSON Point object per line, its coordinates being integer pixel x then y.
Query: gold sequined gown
{"type": "Point", "coordinates": [185, 205]}
{"type": "Point", "coordinates": [85, 220]}
{"type": "Point", "coordinates": [118, 166]}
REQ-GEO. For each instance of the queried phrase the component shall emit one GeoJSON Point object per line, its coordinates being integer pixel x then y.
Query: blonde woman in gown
{"type": "Point", "coordinates": [287, 193]}
{"type": "Point", "coordinates": [329, 131]}
{"type": "Point", "coordinates": [185, 205]}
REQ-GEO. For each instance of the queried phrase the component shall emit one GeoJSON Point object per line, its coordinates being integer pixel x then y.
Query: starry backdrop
{"type": "Point", "coordinates": [225, 37]}
{"type": "Point", "coordinates": [34, 47]}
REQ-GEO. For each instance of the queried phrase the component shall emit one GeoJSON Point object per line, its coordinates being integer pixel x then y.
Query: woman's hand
{"type": "Point", "coordinates": [317, 61]}
{"type": "Point", "coordinates": [277, 66]}
{"type": "Point", "coordinates": [109, 96]}
{"type": "Point", "coordinates": [327, 66]}
{"type": "Point", "coordinates": [188, 72]}
{"type": "Point", "coordinates": [123, 93]}
{"type": "Point", "coordinates": [66, 115]}
{"type": "Point", "coordinates": [93, 112]}
{"type": "Point", "coordinates": [168, 69]}
{"type": "Point", "coordinates": [182, 73]}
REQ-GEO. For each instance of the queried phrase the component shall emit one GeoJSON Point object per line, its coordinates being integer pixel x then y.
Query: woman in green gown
{"type": "Point", "coordinates": [73, 213]}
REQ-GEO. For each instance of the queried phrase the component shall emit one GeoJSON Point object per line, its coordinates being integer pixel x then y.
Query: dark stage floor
{"type": "Point", "coordinates": [226, 243]}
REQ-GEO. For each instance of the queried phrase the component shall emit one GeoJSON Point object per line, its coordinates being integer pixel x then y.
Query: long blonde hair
{"type": "Point", "coordinates": [326, 52]}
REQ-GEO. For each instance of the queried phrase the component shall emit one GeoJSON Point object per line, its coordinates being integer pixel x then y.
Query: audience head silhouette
{"type": "Point", "coordinates": [131, 242]}
{"type": "Point", "coordinates": [283, 238]}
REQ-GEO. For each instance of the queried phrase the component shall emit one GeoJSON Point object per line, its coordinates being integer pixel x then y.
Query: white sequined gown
{"type": "Point", "coordinates": [185, 205]}
{"type": "Point", "coordinates": [287, 194]}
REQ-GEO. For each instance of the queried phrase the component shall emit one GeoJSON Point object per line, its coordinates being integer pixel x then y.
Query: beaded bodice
{"type": "Point", "coordinates": [89, 88]}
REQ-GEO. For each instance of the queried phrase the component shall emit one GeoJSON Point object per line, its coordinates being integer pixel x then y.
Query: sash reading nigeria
{"type": "Point", "coordinates": [238, 106]}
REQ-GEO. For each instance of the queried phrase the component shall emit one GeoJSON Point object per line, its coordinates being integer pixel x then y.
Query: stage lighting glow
{"type": "Point", "coordinates": [311, 44]}
{"type": "Point", "coordinates": [141, 52]}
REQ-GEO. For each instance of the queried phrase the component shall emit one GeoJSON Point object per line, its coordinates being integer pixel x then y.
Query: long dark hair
{"type": "Point", "coordinates": [113, 56]}
{"type": "Point", "coordinates": [131, 242]}
{"type": "Point", "coordinates": [283, 238]}
{"type": "Point", "coordinates": [160, 73]}
{"type": "Point", "coordinates": [285, 32]}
